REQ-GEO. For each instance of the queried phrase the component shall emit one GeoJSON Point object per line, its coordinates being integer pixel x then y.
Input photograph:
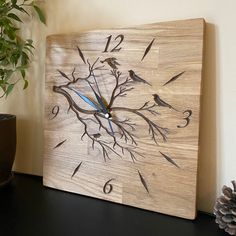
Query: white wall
{"type": "Point", "coordinates": [218, 127]}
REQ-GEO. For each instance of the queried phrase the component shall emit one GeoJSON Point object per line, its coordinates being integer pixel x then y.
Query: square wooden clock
{"type": "Point", "coordinates": [122, 115]}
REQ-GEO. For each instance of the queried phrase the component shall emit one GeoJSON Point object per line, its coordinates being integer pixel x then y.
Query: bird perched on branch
{"type": "Point", "coordinates": [136, 78]}
{"type": "Point", "coordinates": [112, 62]}
{"type": "Point", "coordinates": [97, 135]}
{"type": "Point", "coordinates": [161, 102]}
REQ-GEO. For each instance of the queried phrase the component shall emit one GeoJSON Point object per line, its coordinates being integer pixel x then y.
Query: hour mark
{"type": "Point", "coordinates": [174, 78]}
{"type": "Point", "coordinates": [143, 182]}
{"type": "Point", "coordinates": [81, 55]}
{"type": "Point", "coordinates": [107, 188]}
{"type": "Point", "coordinates": [59, 144]}
{"type": "Point", "coordinates": [187, 118]}
{"type": "Point", "coordinates": [63, 74]}
{"type": "Point", "coordinates": [148, 49]}
{"type": "Point", "coordinates": [115, 49]}
{"type": "Point", "coordinates": [55, 111]}
{"type": "Point", "coordinates": [169, 159]}
{"type": "Point", "coordinates": [76, 169]}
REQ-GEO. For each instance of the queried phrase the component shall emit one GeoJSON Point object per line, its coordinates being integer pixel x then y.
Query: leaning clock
{"type": "Point", "coordinates": [122, 114]}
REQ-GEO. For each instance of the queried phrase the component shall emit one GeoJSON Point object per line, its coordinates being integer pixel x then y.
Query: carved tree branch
{"type": "Point", "coordinates": [121, 86]}
{"type": "Point", "coordinates": [154, 129]}
{"type": "Point", "coordinates": [126, 128]}
{"type": "Point", "coordinates": [125, 133]}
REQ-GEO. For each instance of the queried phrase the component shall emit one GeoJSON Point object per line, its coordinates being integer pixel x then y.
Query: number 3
{"type": "Point", "coordinates": [189, 113]}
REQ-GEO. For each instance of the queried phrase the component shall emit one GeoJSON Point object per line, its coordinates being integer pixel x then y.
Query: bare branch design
{"type": "Point", "coordinates": [124, 140]}
{"type": "Point", "coordinates": [154, 129]}
{"type": "Point", "coordinates": [120, 89]}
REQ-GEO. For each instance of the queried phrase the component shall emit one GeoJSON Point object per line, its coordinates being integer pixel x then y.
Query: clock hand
{"type": "Point", "coordinates": [101, 103]}
{"type": "Point", "coordinates": [109, 122]}
{"type": "Point", "coordinates": [104, 109]}
{"type": "Point", "coordinates": [86, 99]}
{"type": "Point", "coordinates": [106, 112]}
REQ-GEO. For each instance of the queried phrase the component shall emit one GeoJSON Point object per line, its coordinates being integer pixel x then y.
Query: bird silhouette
{"type": "Point", "coordinates": [112, 62]}
{"type": "Point", "coordinates": [161, 102]}
{"type": "Point", "coordinates": [97, 135]}
{"type": "Point", "coordinates": [136, 78]}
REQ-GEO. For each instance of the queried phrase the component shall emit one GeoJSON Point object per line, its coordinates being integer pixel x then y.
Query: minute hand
{"type": "Point", "coordinates": [86, 99]}
{"type": "Point", "coordinates": [101, 103]}
{"type": "Point", "coordinates": [105, 111]}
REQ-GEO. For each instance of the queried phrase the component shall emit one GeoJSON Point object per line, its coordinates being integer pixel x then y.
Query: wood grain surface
{"type": "Point", "coordinates": [157, 167]}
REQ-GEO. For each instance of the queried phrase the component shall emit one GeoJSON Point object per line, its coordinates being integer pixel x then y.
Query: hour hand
{"type": "Point", "coordinates": [86, 99]}
{"type": "Point", "coordinates": [112, 131]}
{"type": "Point", "coordinates": [105, 110]}
{"type": "Point", "coordinates": [101, 103]}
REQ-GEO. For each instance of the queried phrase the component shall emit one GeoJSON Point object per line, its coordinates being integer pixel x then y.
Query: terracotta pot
{"type": "Point", "coordinates": [7, 147]}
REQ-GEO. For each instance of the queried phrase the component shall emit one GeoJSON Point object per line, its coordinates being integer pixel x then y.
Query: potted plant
{"type": "Point", "coordinates": [14, 60]}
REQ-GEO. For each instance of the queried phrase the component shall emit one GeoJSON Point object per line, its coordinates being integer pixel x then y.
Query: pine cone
{"type": "Point", "coordinates": [225, 209]}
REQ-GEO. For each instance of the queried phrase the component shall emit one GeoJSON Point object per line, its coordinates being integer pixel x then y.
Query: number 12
{"type": "Point", "coordinates": [115, 49]}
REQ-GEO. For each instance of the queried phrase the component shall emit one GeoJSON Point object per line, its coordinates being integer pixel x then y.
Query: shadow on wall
{"type": "Point", "coordinates": [207, 173]}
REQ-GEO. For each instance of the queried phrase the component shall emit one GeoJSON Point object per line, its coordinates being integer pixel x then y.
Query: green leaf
{"type": "Point", "coordinates": [30, 41]}
{"type": "Point", "coordinates": [10, 33]}
{"type": "Point", "coordinates": [14, 50]}
{"type": "Point", "coordinates": [21, 68]}
{"type": "Point", "coordinates": [2, 58]}
{"type": "Point", "coordinates": [21, 9]}
{"type": "Point", "coordinates": [24, 59]}
{"type": "Point", "coordinates": [40, 14]}
{"type": "Point", "coordinates": [28, 49]}
{"type": "Point", "coordinates": [8, 74]}
{"type": "Point", "coordinates": [23, 73]}
{"type": "Point", "coordinates": [14, 16]}
{"type": "Point", "coordinates": [9, 89]}
{"type": "Point", "coordinates": [14, 58]}
{"type": "Point", "coordinates": [13, 2]}
{"type": "Point", "coordinates": [26, 83]}
{"type": "Point", "coordinates": [2, 86]}
{"type": "Point", "coordinates": [29, 45]}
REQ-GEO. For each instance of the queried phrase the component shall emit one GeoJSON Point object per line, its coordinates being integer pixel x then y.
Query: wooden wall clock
{"type": "Point", "coordinates": [122, 115]}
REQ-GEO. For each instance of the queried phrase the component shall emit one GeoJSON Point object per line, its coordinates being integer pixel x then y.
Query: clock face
{"type": "Point", "coordinates": [122, 115]}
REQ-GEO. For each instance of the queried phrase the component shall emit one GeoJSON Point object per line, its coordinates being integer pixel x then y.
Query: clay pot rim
{"type": "Point", "coordinates": [4, 117]}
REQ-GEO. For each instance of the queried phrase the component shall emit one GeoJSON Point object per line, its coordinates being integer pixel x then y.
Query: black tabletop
{"type": "Point", "coordinates": [28, 208]}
